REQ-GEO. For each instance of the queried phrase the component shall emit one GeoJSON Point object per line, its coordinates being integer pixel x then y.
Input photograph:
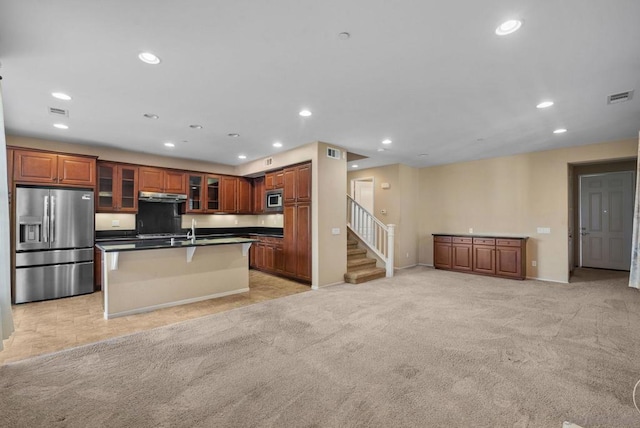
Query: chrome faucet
{"type": "Point", "coordinates": [191, 234]}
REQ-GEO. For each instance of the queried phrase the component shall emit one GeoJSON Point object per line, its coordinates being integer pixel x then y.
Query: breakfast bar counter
{"type": "Point", "coordinates": [146, 275]}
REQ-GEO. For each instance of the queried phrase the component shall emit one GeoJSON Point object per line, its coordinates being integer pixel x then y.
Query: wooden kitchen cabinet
{"type": "Point", "coordinates": [212, 193]}
{"type": "Point", "coordinates": [461, 253]}
{"type": "Point", "coordinates": [259, 195]}
{"type": "Point", "coordinates": [195, 193]}
{"type": "Point", "coordinates": [161, 180]}
{"type": "Point", "coordinates": [228, 187]}
{"type": "Point", "coordinates": [244, 196]}
{"type": "Point", "coordinates": [97, 269]}
{"type": "Point", "coordinates": [266, 254]}
{"type": "Point", "coordinates": [236, 195]}
{"type": "Point", "coordinates": [54, 169]}
{"type": "Point", "coordinates": [297, 241]}
{"type": "Point", "coordinates": [486, 255]}
{"type": "Point", "coordinates": [442, 252]}
{"type": "Point", "coordinates": [274, 180]}
{"type": "Point", "coordinates": [297, 184]}
{"type": "Point", "coordinates": [117, 188]}
{"type": "Point", "coordinates": [509, 258]}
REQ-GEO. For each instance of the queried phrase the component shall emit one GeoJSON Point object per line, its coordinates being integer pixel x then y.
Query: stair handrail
{"type": "Point", "coordinates": [376, 235]}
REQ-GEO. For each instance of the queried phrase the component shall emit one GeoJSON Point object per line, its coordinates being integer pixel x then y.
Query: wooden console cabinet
{"type": "Point", "coordinates": [486, 255]}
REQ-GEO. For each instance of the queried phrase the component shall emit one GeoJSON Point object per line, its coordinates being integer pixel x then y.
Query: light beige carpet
{"type": "Point", "coordinates": [424, 349]}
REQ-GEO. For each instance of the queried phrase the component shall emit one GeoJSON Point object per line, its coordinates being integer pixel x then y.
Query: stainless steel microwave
{"type": "Point", "coordinates": [274, 200]}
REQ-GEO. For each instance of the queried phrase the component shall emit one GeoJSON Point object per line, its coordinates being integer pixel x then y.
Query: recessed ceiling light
{"type": "Point", "coordinates": [508, 27]}
{"type": "Point", "coordinates": [560, 131]}
{"type": "Point", "coordinates": [151, 116]}
{"type": "Point", "coordinates": [195, 126]}
{"type": "Point", "coordinates": [545, 104]}
{"type": "Point", "coordinates": [305, 113]}
{"type": "Point", "coordinates": [344, 36]}
{"type": "Point", "coordinates": [60, 96]}
{"type": "Point", "coordinates": [387, 141]}
{"type": "Point", "coordinates": [277, 144]}
{"type": "Point", "coordinates": [354, 165]}
{"type": "Point", "coordinates": [233, 134]}
{"type": "Point", "coordinates": [60, 126]}
{"type": "Point", "coordinates": [149, 58]}
{"type": "Point", "coordinates": [170, 145]}
{"type": "Point", "coordinates": [242, 156]}
{"type": "Point", "coordinates": [424, 155]}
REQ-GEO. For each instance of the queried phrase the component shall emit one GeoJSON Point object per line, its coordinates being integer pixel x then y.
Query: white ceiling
{"type": "Point", "coordinates": [430, 75]}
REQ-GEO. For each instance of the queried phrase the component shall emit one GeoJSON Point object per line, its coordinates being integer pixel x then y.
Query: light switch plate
{"type": "Point", "coordinates": [544, 230]}
{"type": "Point", "coordinates": [335, 231]}
{"type": "Point", "coordinates": [115, 223]}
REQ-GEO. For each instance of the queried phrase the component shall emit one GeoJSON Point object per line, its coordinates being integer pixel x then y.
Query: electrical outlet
{"type": "Point", "coordinates": [262, 221]}
{"type": "Point", "coordinates": [235, 221]}
{"type": "Point", "coordinates": [407, 255]}
{"type": "Point", "coordinates": [115, 223]}
{"type": "Point", "coordinates": [471, 230]}
{"type": "Point", "coordinates": [534, 263]}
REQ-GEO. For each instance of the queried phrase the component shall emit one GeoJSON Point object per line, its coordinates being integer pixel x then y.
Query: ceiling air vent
{"type": "Point", "coordinates": [58, 111]}
{"type": "Point", "coordinates": [268, 161]}
{"type": "Point", "coordinates": [333, 153]}
{"type": "Point", "coordinates": [620, 97]}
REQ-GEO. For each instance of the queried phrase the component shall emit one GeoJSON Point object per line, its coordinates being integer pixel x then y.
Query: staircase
{"type": "Point", "coordinates": [360, 268]}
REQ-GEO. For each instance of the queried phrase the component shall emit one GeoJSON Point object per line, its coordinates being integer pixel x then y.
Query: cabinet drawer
{"type": "Point", "coordinates": [462, 240]}
{"type": "Point", "coordinates": [484, 241]}
{"type": "Point", "coordinates": [508, 242]}
{"type": "Point", "coordinates": [442, 238]}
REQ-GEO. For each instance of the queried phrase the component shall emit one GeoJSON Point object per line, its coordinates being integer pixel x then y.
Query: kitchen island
{"type": "Point", "coordinates": [144, 275]}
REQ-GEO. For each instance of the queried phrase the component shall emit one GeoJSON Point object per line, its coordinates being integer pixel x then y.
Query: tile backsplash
{"type": "Point", "coordinates": [108, 221]}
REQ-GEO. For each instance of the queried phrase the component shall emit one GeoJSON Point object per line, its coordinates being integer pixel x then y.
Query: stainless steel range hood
{"type": "Point", "coordinates": [161, 197]}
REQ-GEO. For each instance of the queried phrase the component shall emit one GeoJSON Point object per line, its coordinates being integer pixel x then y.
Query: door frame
{"type": "Point", "coordinates": [578, 232]}
{"type": "Point", "coordinates": [574, 171]}
{"type": "Point", "coordinates": [373, 193]}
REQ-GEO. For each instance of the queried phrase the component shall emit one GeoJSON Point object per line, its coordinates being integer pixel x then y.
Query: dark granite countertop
{"type": "Point", "coordinates": [482, 235]}
{"type": "Point", "coordinates": [155, 244]}
{"type": "Point", "coordinates": [132, 235]}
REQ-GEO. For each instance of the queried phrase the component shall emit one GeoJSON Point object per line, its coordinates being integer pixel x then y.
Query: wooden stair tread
{"type": "Point", "coordinates": [364, 275]}
{"type": "Point", "coordinates": [359, 264]}
{"type": "Point", "coordinates": [356, 253]}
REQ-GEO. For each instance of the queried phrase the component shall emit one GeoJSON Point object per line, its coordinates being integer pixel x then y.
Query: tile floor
{"type": "Point", "coordinates": [50, 326]}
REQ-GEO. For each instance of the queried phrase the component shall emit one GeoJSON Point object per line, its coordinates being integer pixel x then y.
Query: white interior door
{"type": "Point", "coordinates": [362, 191]}
{"type": "Point", "coordinates": [606, 220]}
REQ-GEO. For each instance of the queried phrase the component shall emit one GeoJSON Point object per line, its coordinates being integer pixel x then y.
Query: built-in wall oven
{"type": "Point", "coordinates": [274, 201]}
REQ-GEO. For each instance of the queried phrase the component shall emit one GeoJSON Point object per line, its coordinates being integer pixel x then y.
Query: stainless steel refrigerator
{"type": "Point", "coordinates": [54, 243]}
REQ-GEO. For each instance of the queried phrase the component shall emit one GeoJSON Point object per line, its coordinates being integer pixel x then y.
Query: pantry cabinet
{"type": "Point", "coordinates": [486, 255]}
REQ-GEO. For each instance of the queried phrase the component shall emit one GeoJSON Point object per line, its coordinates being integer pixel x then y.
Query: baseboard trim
{"type": "Point", "coordinates": [547, 280]}
{"type": "Point", "coordinates": [407, 267]}
{"type": "Point", "coordinates": [425, 264]}
{"type": "Point", "coordinates": [317, 287]}
{"type": "Point", "coordinates": [176, 303]}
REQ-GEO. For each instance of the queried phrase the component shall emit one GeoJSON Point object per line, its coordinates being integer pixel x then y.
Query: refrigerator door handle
{"type": "Point", "coordinates": [45, 226]}
{"type": "Point", "coordinates": [53, 219]}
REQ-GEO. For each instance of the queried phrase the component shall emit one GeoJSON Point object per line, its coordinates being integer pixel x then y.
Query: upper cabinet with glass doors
{"type": "Point", "coordinates": [117, 188]}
